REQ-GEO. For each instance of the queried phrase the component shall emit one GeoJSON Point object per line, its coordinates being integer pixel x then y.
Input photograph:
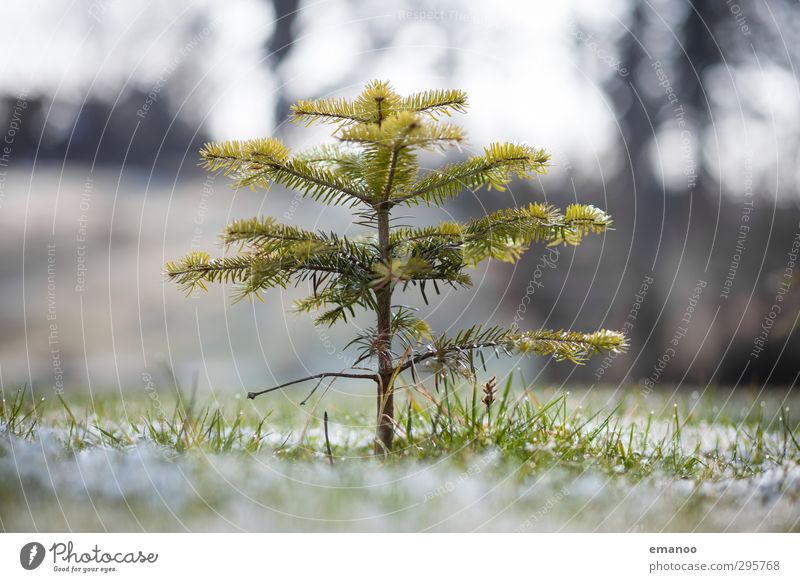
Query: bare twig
{"type": "Point", "coordinates": [373, 377]}
{"type": "Point", "coordinates": [327, 440]}
{"type": "Point", "coordinates": [313, 390]}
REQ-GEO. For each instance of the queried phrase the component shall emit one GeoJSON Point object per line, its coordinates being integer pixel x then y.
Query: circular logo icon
{"type": "Point", "coordinates": [31, 555]}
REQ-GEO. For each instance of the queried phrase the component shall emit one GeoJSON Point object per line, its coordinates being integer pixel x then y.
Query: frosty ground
{"type": "Point", "coordinates": [536, 460]}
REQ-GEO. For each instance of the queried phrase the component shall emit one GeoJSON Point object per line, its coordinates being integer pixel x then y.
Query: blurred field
{"type": "Point", "coordinates": [542, 460]}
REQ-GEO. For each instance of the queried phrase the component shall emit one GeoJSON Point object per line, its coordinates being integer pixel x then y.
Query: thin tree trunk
{"type": "Point", "coordinates": [385, 430]}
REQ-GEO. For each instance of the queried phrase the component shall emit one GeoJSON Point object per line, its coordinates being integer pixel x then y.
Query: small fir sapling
{"type": "Point", "coordinates": [373, 169]}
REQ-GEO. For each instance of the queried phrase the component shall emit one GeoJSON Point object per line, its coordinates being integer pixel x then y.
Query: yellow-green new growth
{"type": "Point", "coordinates": [373, 168]}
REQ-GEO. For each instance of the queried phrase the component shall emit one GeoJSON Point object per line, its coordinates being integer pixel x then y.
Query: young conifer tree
{"type": "Point", "coordinates": [373, 169]}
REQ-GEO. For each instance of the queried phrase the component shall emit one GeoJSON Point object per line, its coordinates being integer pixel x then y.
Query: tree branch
{"type": "Point", "coordinates": [374, 377]}
{"type": "Point", "coordinates": [421, 357]}
{"type": "Point", "coordinates": [489, 166]}
{"type": "Point", "coordinates": [299, 112]}
{"type": "Point", "coordinates": [319, 181]}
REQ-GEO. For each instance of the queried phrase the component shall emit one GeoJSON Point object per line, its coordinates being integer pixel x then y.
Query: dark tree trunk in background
{"type": "Point", "coordinates": [643, 111]}
{"type": "Point", "coordinates": [280, 44]}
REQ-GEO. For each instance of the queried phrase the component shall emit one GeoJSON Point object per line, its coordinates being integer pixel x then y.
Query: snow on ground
{"type": "Point", "coordinates": [149, 488]}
